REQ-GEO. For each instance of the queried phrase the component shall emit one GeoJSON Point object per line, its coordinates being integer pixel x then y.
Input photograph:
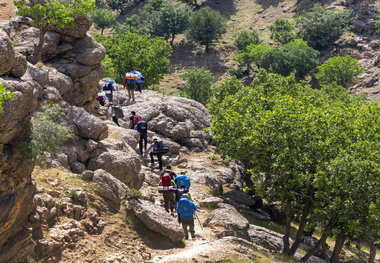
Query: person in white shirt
{"type": "Point", "coordinates": [112, 113]}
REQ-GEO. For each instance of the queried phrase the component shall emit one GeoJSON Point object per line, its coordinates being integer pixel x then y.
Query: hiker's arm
{"type": "Point", "coordinates": [191, 199]}
{"type": "Point", "coordinates": [149, 148]}
{"type": "Point", "coordinates": [125, 81]}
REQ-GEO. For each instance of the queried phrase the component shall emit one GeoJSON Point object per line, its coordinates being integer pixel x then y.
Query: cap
{"type": "Point", "coordinates": [185, 196]}
{"type": "Point", "coordinates": [169, 167]}
{"type": "Point", "coordinates": [111, 82]}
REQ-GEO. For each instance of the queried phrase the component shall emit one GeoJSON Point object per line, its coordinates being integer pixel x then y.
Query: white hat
{"type": "Point", "coordinates": [185, 196]}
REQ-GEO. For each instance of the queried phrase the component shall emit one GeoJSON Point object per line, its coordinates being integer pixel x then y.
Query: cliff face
{"type": "Point", "coordinates": [69, 74]}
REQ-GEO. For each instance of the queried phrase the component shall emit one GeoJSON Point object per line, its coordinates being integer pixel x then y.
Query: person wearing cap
{"type": "Point", "coordinates": [186, 209]}
{"type": "Point", "coordinates": [108, 88]}
{"type": "Point", "coordinates": [111, 112]}
{"type": "Point", "coordinates": [169, 170]}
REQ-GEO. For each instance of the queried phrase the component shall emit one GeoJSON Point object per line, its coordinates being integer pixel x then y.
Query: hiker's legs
{"type": "Point", "coordinates": [191, 225]}
{"type": "Point", "coordinates": [115, 120]}
{"type": "Point", "coordinates": [151, 157]}
{"type": "Point", "coordinates": [159, 157]}
{"type": "Point", "coordinates": [133, 94]}
{"type": "Point", "coordinates": [129, 93]}
{"type": "Point", "coordinates": [167, 201]}
{"type": "Point", "coordinates": [110, 97]}
{"type": "Point", "coordinates": [143, 137]}
{"type": "Point", "coordinates": [185, 223]}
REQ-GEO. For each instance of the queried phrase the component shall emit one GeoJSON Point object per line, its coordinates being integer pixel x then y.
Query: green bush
{"type": "Point", "coordinates": [244, 38]}
{"type": "Point", "coordinates": [132, 193]}
{"type": "Point", "coordinates": [103, 18]}
{"type": "Point", "coordinates": [282, 31]}
{"type": "Point", "coordinates": [192, 3]}
{"type": "Point", "coordinates": [342, 70]}
{"type": "Point", "coordinates": [205, 26]}
{"type": "Point", "coordinates": [4, 95]}
{"type": "Point", "coordinates": [74, 196]}
{"type": "Point", "coordinates": [198, 84]}
{"type": "Point", "coordinates": [321, 27]}
{"type": "Point", "coordinates": [131, 24]}
{"type": "Point", "coordinates": [108, 68]}
{"type": "Point", "coordinates": [253, 54]}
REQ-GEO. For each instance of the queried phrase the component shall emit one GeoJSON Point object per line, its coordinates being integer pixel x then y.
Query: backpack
{"type": "Point", "coordinates": [142, 127]}
{"type": "Point", "coordinates": [180, 192]}
{"type": "Point", "coordinates": [118, 111]}
{"type": "Point", "coordinates": [161, 148]}
{"type": "Point", "coordinates": [136, 119]}
{"type": "Point", "coordinates": [166, 180]}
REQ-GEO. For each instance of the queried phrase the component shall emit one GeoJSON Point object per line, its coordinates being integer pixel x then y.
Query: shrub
{"type": "Point", "coordinates": [244, 38]}
{"type": "Point", "coordinates": [74, 196]}
{"type": "Point", "coordinates": [4, 95]}
{"type": "Point", "coordinates": [321, 28]}
{"type": "Point", "coordinates": [253, 54]}
{"type": "Point", "coordinates": [131, 24]}
{"type": "Point", "coordinates": [108, 68]}
{"type": "Point", "coordinates": [342, 70]}
{"type": "Point", "coordinates": [132, 193]}
{"type": "Point", "coordinates": [103, 18]}
{"type": "Point", "coordinates": [198, 84]}
{"type": "Point", "coordinates": [282, 31]}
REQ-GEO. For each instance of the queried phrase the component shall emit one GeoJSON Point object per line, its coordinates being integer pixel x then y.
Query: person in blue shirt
{"type": "Point", "coordinates": [186, 209]}
{"type": "Point", "coordinates": [182, 179]}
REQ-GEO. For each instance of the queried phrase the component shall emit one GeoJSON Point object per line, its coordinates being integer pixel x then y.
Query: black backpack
{"type": "Point", "coordinates": [142, 127]}
{"type": "Point", "coordinates": [161, 148]}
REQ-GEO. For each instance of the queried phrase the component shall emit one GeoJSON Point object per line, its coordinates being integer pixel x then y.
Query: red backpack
{"type": "Point", "coordinates": [136, 119]}
{"type": "Point", "coordinates": [166, 180]}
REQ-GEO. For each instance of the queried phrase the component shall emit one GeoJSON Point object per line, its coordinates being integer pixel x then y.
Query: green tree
{"type": "Point", "coordinates": [151, 6]}
{"type": "Point", "coordinates": [108, 68]}
{"type": "Point", "coordinates": [198, 84]}
{"type": "Point", "coordinates": [342, 70]}
{"type": "Point", "coordinates": [48, 133]}
{"type": "Point", "coordinates": [205, 26]}
{"type": "Point", "coordinates": [131, 24]}
{"type": "Point", "coordinates": [168, 21]}
{"type": "Point", "coordinates": [243, 38]}
{"type": "Point", "coordinates": [103, 18]}
{"type": "Point", "coordinates": [117, 5]}
{"type": "Point", "coordinates": [130, 51]}
{"type": "Point", "coordinates": [4, 95]}
{"type": "Point", "coordinates": [282, 31]}
{"type": "Point", "coordinates": [51, 12]}
{"type": "Point", "coordinates": [253, 54]}
{"type": "Point", "coordinates": [321, 27]}
{"type": "Point", "coordinates": [193, 3]}
{"type": "Point", "coordinates": [294, 57]}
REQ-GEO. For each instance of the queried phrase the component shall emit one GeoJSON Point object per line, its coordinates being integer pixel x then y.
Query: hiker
{"type": "Point", "coordinates": [167, 192]}
{"type": "Point", "coordinates": [168, 169]}
{"type": "Point", "coordinates": [183, 179]}
{"type": "Point", "coordinates": [111, 112]}
{"type": "Point", "coordinates": [186, 209]}
{"type": "Point", "coordinates": [178, 194]}
{"type": "Point", "coordinates": [142, 128]}
{"type": "Point", "coordinates": [108, 88]}
{"type": "Point", "coordinates": [158, 149]}
{"type": "Point", "coordinates": [130, 86]}
{"type": "Point", "coordinates": [133, 120]}
{"type": "Point", "coordinates": [100, 99]}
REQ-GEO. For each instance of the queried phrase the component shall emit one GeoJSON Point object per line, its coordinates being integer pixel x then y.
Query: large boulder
{"type": "Point", "coordinates": [20, 66]}
{"type": "Point", "coordinates": [108, 186]}
{"type": "Point", "coordinates": [88, 51]}
{"type": "Point", "coordinates": [124, 166]}
{"type": "Point", "coordinates": [241, 197]}
{"type": "Point", "coordinates": [266, 238]}
{"type": "Point", "coordinates": [128, 136]}
{"type": "Point", "coordinates": [157, 219]}
{"type": "Point", "coordinates": [60, 81]}
{"type": "Point", "coordinates": [7, 53]}
{"type": "Point", "coordinates": [81, 25]}
{"type": "Point", "coordinates": [89, 126]}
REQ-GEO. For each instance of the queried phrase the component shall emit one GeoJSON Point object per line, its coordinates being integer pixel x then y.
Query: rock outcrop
{"type": "Point", "coordinates": [109, 187]}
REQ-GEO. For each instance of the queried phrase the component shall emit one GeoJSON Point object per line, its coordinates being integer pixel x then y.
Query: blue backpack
{"type": "Point", "coordinates": [186, 208]}
{"type": "Point", "coordinates": [183, 179]}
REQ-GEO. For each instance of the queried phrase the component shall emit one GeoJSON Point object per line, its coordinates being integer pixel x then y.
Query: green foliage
{"type": "Point", "coordinates": [103, 18]}
{"type": "Point", "coordinates": [47, 134]}
{"type": "Point", "coordinates": [131, 24]}
{"type": "Point", "coordinates": [151, 6]}
{"type": "Point", "coordinates": [225, 89]}
{"type": "Point", "coordinates": [205, 26]}
{"type": "Point", "coordinates": [130, 51]}
{"type": "Point", "coordinates": [282, 31]}
{"type": "Point", "coordinates": [132, 193]}
{"type": "Point", "coordinates": [74, 196]}
{"type": "Point", "coordinates": [117, 5]}
{"type": "Point", "coordinates": [253, 54]}
{"type": "Point", "coordinates": [198, 84]}
{"type": "Point", "coordinates": [4, 95]}
{"type": "Point", "coordinates": [192, 3]}
{"type": "Point", "coordinates": [342, 70]}
{"type": "Point", "coordinates": [320, 28]}
{"type": "Point", "coordinates": [108, 68]}
{"type": "Point", "coordinates": [244, 38]}
{"type": "Point", "coordinates": [294, 57]}
{"type": "Point", "coordinates": [168, 21]}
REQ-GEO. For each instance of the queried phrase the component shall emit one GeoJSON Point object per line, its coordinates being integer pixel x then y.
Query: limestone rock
{"type": "Point", "coordinates": [60, 81]}
{"type": "Point", "coordinates": [89, 126]}
{"type": "Point", "coordinates": [266, 238]}
{"type": "Point", "coordinates": [128, 136]}
{"type": "Point", "coordinates": [20, 66]}
{"type": "Point", "coordinates": [81, 25]}
{"type": "Point", "coordinates": [7, 53]}
{"type": "Point", "coordinates": [157, 219]}
{"type": "Point", "coordinates": [109, 187]}
{"type": "Point", "coordinates": [241, 197]}
{"type": "Point", "coordinates": [88, 51]}
{"type": "Point", "coordinates": [211, 201]}
{"type": "Point", "coordinates": [226, 216]}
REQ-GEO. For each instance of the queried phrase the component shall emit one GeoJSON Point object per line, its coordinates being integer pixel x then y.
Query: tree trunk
{"type": "Point", "coordinates": [102, 31]}
{"type": "Point", "coordinates": [320, 241]}
{"type": "Point", "coordinates": [206, 50]}
{"type": "Point", "coordinates": [289, 218]}
{"type": "Point", "coordinates": [339, 242]}
{"type": "Point", "coordinates": [36, 57]}
{"type": "Point", "coordinates": [372, 249]}
{"type": "Point", "coordinates": [301, 227]}
{"type": "Point", "coordinates": [172, 40]}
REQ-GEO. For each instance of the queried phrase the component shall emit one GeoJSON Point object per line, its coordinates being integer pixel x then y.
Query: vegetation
{"type": "Point", "coordinates": [342, 70]}
{"type": "Point", "coordinates": [131, 24]}
{"type": "Point", "coordinates": [205, 26]}
{"type": "Point", "coordinates": [193, 3]}
{"type": "Point", "coordinates": [282, 31]}
{"type": "Point", "coordinates": [4, 95]}
{"type": "Point", "coordinates": [198, 84]}
{"type": "Point", "coordinates": [316, 151]}
{"type": "Point", "coordinates": [47, 134]}
{"type": "Point", "coordinates": [252, 54]}
{"type": "Point", "coordinates": [321, 27]}
{"type": "Point", "coordinates": [294, 57]}
{"type": "Point", "coordinates": [132, 193]}
{"type": "Point", "coordinates": [243, 39]}
{"type": "Point", "coordinates": [108, 68]}
{"type": "Point", "coordinates": [52, 13]}
{"type": "Point", "coordinates": [130, 51]}
{"type": "Point", "coordinates": [103, 18]}
{"type": "Point", "coordinates": [151, 6]}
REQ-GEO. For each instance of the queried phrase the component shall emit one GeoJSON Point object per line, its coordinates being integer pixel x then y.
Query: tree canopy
{"type": "Point", "coordinates": [244, 38]}
{"type": "Point", "coordinates": [282, 31]}
{"type": "Point", "coordinates": [103, 18]}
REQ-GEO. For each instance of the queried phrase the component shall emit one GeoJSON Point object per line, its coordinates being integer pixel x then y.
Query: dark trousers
{"type": "Point", "coordinates": [159, 157]}
{"type": "Point", "coordinates": [143, 137]}
{"type": "Point", "coordinates": [115, 120]}
{"type": "Point", "coordinates": [187, 222]}
{"type": "Point", "coordinates": [168, 201]}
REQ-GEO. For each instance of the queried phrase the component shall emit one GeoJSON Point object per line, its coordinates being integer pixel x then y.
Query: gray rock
{"type": "Point", "coordinates": [157, 219]}
{"type": "Point", "coordinates": [87, 175]}
{"type": "Point", "coordinates": [37, 74]}
{"type": "Point", "coordinates": [108, 186]}
{"type": "Point", "coordinates": [60, 81]}
{"type": "Point", "coordinates": [20, 66]}
{"type": "Point", "coordinates": [241, 197]}
{"type": "Point", "coordinates": [89, 126]}
{"type": "Point", "coordinates": [211, 201]}
{"type": "Point", "coordinates": [51, 95]}
{"type": "Point", "coordinates": [226, 216]}
{"type": "Point", "coordinates": [214, 183]}
{"type": "Point", "coordinates": [359, 26]}
{"type": "Point", "coordinates": [81, 25]}
{"type": "Point", "coordinates": [128, 136]}
{"type": "Point", "coordinates": [314, 259]}
{"type": "Point", "coordinates": [7, 53]}
{"type": "Point", "coordinates": [88, 51]}
{"type": "Point", "coordinates": [266, 238]}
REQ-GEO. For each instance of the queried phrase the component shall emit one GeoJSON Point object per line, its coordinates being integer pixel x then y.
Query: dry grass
{"type": "Point", "coordinates": [7, 9]}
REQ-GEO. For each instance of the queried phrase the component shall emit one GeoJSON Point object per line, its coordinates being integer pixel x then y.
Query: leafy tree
{"type": "Point", "coordinates": [130, 51]}
{"type": "Point", "coordinates": [321, 27]}
{"type": "Point", "coordinates": [294, 57]}
{"type": "Point", "coordinates": [198, 84]}
{"type": "Point", "coordinates": [108, 68]}
{"type": "Point", "coordinates": [193, 3]}
{"type": "Point", "coordinates": [131, 24]}
{"type": "Point", "coordinates": [151, 6]}
{"type": "Point", "coordinates": [253, 54]}
{"type": "Point", "coordinates": [117, 5]}
{"type": "Point", "coordinates": [168, 21]}
{"type": "Point", "coordinates": [47, 133]}
{"type": "Point", "coordinates": [282, 31]}
{"type": "Point", "coordinates": [342, 70]}
{"type": "Point", "coordinates": [244, 38]}
{"type": "Point", "coordinates": [4, 95]}
{"type": "Point", "coordinates": [103, 18]}
{"type": "Point", "coordinates": [51, 12]}
{"type": "Point", "coordinates": [205, 26]}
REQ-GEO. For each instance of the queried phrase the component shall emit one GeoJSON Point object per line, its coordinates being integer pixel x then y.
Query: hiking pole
{"type": "Point", "coordinates": [196, 215]}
